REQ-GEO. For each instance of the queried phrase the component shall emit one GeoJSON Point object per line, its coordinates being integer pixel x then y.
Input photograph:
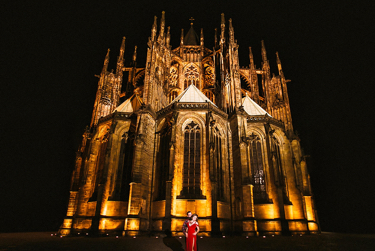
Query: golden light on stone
{"type": "Point", "coordinates": [198, 133]}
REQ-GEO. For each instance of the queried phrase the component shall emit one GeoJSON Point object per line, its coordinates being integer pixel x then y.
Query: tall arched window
{"type": "Point", "coordinates": [191, 176]}
{"type": "Point", "coordinates": [257, 169]}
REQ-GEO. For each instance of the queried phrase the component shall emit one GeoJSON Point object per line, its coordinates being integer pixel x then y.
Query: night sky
{"type": "Point", "coordinates": [52, 50]}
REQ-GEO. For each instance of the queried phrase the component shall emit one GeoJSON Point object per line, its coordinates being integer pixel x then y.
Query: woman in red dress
{"type": "Point", "coordinates": [191, 236]}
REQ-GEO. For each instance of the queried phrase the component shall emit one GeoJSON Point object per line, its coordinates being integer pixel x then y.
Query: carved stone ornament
{"type": "Point", "coordinates": [209, 76]}
{"type": "Point", "coordinates": [227, 79]}
{"type": "Point", "coordinates": [253, 137]}
{"type": "Point", "coordinates": [173, 76]}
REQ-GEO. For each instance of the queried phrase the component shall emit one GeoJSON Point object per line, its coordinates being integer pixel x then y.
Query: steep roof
{"type": "Point", "coordinates": [192, 95]}
{"type": "Point", "coordinates": [191, 37]}
{"type": "Point", "coordinates": [252, 108]}
{"type": "Point", "coordinates": [130, 105]}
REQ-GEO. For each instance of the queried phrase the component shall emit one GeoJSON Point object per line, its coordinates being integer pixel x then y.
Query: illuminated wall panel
{"type": "Point", "coordinates": [116, 208]}
{"type": "Point", "coordinates": [223, 210]}
{"type": "Point", "coordinates": [298, 226]}
{"type": "Point", "coordinates": [264, 211]}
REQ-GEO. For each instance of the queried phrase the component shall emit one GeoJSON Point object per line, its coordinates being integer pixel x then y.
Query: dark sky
{"type": "Point", "coordinates": [51, 50]}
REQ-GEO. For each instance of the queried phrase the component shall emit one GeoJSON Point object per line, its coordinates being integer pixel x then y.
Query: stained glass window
{"type": "Point", "coordinates": [191, 176]}
{"type": "Point", "coordinates": [257, 169]}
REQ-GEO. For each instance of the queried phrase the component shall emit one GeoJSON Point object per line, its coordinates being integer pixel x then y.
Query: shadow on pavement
{"type": "Point", "coordinates": [172, 242]}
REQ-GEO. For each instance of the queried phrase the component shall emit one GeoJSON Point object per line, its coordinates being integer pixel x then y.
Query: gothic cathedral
{"type": "Point", "coordinates": [195, 132]}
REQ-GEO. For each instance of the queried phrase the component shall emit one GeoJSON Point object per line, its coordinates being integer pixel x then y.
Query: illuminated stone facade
{"type": "Point", "coordinates": [195, 132]}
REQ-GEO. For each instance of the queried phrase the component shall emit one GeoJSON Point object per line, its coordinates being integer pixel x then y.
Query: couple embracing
{"type": "Point", "coordinates": [190, 229]}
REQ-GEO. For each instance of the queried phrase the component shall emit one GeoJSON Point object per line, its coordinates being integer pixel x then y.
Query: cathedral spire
{"type": "Point", "coordinates": [222, 26]}
{"type": "Point", "coordinates": [162, 27]}
{"type": "Point", "coordinates": [162, 22]}
{"type": "Point", "coordinates": [182, 37]}
{"type": "Point", "coordinates": [154, 29]}
{"type": "Point", "coordinates": [252, 65]}
{"type": "Point", "coordinates": [168, 38]}
{"type": "Point", "coordinates": [135, 55]}
{"type": "Point", "coordinates": [122, 48]}
{"type": "Point", "coordinates": [191, 37]}
{"type": "Point", "coordinates": [120, 59]}
{"type": "Point", "coordinates": [279, 64]}
{"type": "Point", "coordinates": [231, 31]}
{"type": "Point", "coordinates": [202, 38]}
{"type": "Point", "coordinates": [106, 61]}
{"type": "Point", "coordinates": [264, 52]}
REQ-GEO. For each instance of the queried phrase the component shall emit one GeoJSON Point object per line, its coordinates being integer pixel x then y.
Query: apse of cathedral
{"type": "Point", "coordinates": [191, 131]}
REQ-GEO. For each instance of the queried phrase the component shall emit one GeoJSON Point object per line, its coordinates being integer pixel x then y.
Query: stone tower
{"type": "Point", "coordinates": [195, 132]}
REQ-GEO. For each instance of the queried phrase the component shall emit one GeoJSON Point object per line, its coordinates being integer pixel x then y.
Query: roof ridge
{"type": "Point", "coordinates": [190, 94]}
{"type": "Point", "coordinates": [122, 107]}
{"type": "Point", "coordinates": [252, 108]}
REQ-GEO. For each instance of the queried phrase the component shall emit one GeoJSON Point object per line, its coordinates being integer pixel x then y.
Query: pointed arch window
{"type": "Point", "coordinates": [191, 176]}
{"type": "Point", "coordinates": [257, 169]}
{"type": "Point", "coordinates": [191, 76]}
{"type": "Point", "coordinates": [125, 164]}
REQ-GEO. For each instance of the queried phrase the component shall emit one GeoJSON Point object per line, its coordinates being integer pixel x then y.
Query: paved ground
{"type": "Point", "coordinates": [325, 241]}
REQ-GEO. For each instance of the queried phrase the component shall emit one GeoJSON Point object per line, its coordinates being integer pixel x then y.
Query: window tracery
{"type": "Point", "coordinates": [257, 169]}
{"type": "Point", "coordinates": [227, 79]}
{"type": "Point", "coordinates": [191, 76]}
{"type": "Point", "coordinates": [192, 162]}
